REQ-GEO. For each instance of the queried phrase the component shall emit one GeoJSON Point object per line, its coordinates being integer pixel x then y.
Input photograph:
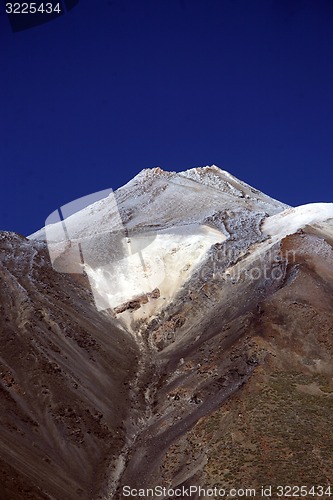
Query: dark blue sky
{"type": "Point", "coordinates": [112, 87]}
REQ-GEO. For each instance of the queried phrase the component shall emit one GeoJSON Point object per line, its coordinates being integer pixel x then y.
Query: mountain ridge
{"type": "Point", "coordinates": [232, 368]}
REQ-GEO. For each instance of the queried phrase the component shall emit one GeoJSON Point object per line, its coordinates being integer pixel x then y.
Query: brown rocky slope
{"type": "Point", "coordinates": [221, 391]}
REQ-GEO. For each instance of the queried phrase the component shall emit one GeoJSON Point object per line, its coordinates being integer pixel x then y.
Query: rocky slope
{"type": "Point", "coordinates": [64, 379]}
{"type": "Point", "coordinates": [212, 367]}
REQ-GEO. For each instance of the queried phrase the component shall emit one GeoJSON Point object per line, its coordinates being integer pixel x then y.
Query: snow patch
{"type": "Point", "coordinates": [165, 264]}
{"type": "Point", "coordinates": [291, 220]}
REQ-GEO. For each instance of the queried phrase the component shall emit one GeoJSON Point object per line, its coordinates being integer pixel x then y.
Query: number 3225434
{"type": "Point", "coordinates": [32, 8]}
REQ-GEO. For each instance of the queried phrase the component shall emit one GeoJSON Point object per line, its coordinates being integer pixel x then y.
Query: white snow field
{"type": "Point", "coordinates": [165, 264]}
{"type": "Point", "coordinates": [291, 220]}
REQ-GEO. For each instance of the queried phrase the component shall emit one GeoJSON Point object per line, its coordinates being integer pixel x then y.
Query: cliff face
{"type": "Point", "coordinates": [224, 378]}
{"type": "Point", "coordinates": [64, 379]}
{"type": "Point", "coordinates": [276, 427]}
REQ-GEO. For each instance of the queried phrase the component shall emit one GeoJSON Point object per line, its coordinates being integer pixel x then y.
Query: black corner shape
{"type": "Point", "coordinates": [26, 17]}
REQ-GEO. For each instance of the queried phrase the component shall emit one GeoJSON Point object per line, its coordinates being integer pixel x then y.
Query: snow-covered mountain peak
{"type": "Point", "coordinates": [160, 199]}
{"type": "Point", "coordinates": [142, 243]}
{"type": "Point", "coordinates": [208, 177]}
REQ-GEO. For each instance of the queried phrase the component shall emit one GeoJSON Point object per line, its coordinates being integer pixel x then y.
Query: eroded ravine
{"type": "Point", "coordinates": [188, 375]}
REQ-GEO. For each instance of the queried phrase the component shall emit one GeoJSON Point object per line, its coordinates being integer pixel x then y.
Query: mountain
{"type": "Point", "coordinates": [177, 332]}
{"type": "Point", "coordinates": [151, 223]}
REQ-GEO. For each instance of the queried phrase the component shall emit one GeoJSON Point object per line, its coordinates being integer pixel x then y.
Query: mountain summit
{"type": "Point", "coordinates": [177, 332]}
{"type": "Point", "coordinates": [143, 243]}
